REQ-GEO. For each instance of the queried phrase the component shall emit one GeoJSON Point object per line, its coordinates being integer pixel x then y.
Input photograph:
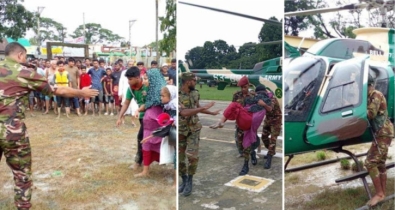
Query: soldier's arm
{"type": "Point", "coordinates": [373, 106]}
{"type": "Point", "coordinates": [264, 105]}
{"type": "Point", "coordinates": [206, 107]}
{"type": "Point", "coordinates": [190, 112]}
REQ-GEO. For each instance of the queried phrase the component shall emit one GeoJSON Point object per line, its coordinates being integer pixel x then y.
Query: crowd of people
{"type": "Point", "coordinates": [92, 87]}
{"type": "Point", "coordinates": [96, 74]}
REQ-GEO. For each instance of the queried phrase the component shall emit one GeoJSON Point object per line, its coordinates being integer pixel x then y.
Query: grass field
{"type": "Point", "coordinates": [211, 93]}
{"type": "Point", "coordinates": [310, 188]}
{"type": "Point", "coordinates": [83, 163]}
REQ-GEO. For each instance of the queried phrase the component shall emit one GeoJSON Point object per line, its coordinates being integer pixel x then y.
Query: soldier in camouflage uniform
{"type": "Point", "coordinates": [271, 126]}
{"type": "Point", "coordinates": [189, 130]}
{"type": "Point", "coordinates": [384, 132]}
{"type": "Point", "coordinates": [241, 97]}
{"type": "Point", "coordinates": [16, 81]}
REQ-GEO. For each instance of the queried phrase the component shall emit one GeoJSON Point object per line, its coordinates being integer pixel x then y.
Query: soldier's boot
{"type": "Point", "coordinates": [254, 161]}
{"type": "Point", "coordinates": [268, 162]}
{"type": "Point", "coordinates": [379, 192]}
{"type": "Point", "coordinates": [58, 113]}
{"type": "Point", "coordinates": [188, 186]}
{"type": "Point", "coordinates": [383, 179]}
{"type": "Point", "coordinates": [245, 168]}
{"type": "Point", "coordinates": [184, 182]}
{"type": "Point", "coordinates": [67, 112]}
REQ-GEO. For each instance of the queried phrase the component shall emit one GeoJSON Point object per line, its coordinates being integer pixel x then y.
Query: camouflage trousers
{"type": "Point", "coordinates": [273, 130]}
{"type": "Point", "coordinates": [188, 148]}
{"type": "Point", "coordinates": [245, 151]}
{"type": "Point", "coordinates": [375, 161]}
{"type": "Point", "coordinates": [15, 145]}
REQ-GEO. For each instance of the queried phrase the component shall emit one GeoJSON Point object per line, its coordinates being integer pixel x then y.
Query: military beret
{"type": "Point", "coordinates": [188, 76]}
{"type": "Point", "coordinates": [243, 81]}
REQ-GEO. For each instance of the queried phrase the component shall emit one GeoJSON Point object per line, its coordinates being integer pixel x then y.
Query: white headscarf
{"type": "Point", "coordinates": [172, 105]}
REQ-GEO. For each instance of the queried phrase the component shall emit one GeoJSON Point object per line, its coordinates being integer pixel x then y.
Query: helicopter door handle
{"type": "Point", "coordinates": [347, 113]}
{"type": "Point", "coordinates": [310, 124]}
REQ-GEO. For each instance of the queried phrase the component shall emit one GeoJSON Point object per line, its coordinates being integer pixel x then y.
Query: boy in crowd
{"type": "Point", "coordinates": [108, 94]}
{"type": "Point", "coordinates": [85, 81]}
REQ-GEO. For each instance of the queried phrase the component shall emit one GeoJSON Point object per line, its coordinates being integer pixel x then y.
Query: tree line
{"type": "Point", "coordinates": [339, 25]}
{"type": "Point", "coordinates": [17, 20]}
{"type": "Point", "coordinates": [219, 54]}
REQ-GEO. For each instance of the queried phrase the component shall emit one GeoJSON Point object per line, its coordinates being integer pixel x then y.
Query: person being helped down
{"type": "Point", "coordinates": [248, 118]}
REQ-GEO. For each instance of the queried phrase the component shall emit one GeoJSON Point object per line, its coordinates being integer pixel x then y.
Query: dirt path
{"type": "Point", "coordinates": [82, 163]}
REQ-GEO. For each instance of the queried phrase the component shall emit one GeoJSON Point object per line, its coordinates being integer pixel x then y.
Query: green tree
{"type": "Point", "coordinates": [50, 30]}
{"type": "Point", "coordinates": [168, 26]}
{"type": "Point", "coordinates": [94, 33]}
{"type": "Point", "coordinates": [270, 32]}
{"type": "Point", "coordinates": [195, 58]}
{"type": "Point", "coordinates": [293, 25]}
{"type": "Point", "coordinates": [15, 20]}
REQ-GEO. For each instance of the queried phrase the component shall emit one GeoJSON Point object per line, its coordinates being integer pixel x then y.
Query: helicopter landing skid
{"type": "Point", "coordinates": [289, 160]}
{"type": "Point", "coordinates": [365, 183]}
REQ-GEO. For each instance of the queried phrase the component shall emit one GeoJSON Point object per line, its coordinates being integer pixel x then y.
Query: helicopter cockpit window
{"type": "Point", "coordinates": [381, 77]}
{"type": "Point", "coordinates": [342, 48]}
{"type": "Point", "coordinates": [303, 78]}
{"type": "Point", "coordinates": [344, 87]}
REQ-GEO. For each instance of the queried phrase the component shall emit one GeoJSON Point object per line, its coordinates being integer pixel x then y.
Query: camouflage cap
{"type": "Point", "coordinates": [188, 76]}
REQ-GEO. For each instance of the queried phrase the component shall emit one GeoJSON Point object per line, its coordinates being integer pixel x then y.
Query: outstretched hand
{"type": "Point", "coordinates": [209, 105]}
{"type": "Point", "coordinates": [89, 93]}
{"type": "Point", "coordinates": [216, 112]}
{"type": "Point", "coordinates": [118, 123]}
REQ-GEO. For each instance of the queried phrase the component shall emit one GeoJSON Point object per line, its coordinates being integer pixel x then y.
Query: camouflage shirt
{"type": "Point", "coordinates": [240, 98]}
{"type": "Point", "coordinates": [378, 114]}
{"type": "Point", "coordinates": [16, 81]}
{"type": "Point", "coordinates": [191, 123]}
{"type": "Point", "coordinates": [275, 115]}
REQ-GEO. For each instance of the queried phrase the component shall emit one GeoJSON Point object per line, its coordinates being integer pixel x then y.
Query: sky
{"type": "Point", "coordinates": [197, 25]}
{"type": "Point", "coordinates": [113, 15]}
{"type": "Point", "coordinates": [330, 15]}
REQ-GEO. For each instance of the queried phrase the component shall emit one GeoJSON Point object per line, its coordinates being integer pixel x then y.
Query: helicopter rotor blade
{"type": "Point", "coordinates": [234, 13]}
{"type": "Point", "coordinates": [272, 42]}
{"type": "Point", "coordinates": [325, 10]}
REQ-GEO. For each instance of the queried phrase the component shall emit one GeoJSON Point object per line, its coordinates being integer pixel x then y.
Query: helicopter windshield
{"type": "Point", "coordinates": [344, 86]}
{"type": "Point", "coordinates": [303, 77]}
{"type": "Point", "coordinates": [341, 48]}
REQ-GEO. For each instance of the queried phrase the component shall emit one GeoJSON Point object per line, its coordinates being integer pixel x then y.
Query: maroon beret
{"type": "Point", "coordinates": [243, 81]}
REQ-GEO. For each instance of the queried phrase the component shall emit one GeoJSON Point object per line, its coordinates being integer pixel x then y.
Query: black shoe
{"type": "Point", "coordinates": [188, 186]}
{"type": "Point", "coordinates": [182, 186]}
{"type": "Point", "coordinates": [268, 162]}
{"type": "Point", "coordinates": [245, 168]}
{"type": "Point", "coordinates": [254, 161]}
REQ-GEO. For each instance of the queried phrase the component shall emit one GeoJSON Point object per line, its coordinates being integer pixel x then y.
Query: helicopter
{"type": "Point", "coordinates": [325, 91]}
{"type": "Point", "coordinates": [268, 73]}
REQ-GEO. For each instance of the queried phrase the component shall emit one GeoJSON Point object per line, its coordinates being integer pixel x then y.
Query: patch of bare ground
{"type": "Point", "coordinates": [83, 163]}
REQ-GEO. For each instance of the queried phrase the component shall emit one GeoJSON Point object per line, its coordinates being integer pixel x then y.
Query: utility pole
{"type": "Point", "coordinates": [39, 10]}
{"type": "Point", "coordinates": [131, 22]}
{"type": "Point", "coordinates": [157, 28]}
{"type": "Point", "coordinates": [83, 19]}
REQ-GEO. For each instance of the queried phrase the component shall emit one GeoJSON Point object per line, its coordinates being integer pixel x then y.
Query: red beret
{"type": "Point", "coordinates": [243, 81]}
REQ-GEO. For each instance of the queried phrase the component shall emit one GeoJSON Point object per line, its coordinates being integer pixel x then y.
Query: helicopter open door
{"type": "Point", "coordinates": [341, 111]}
